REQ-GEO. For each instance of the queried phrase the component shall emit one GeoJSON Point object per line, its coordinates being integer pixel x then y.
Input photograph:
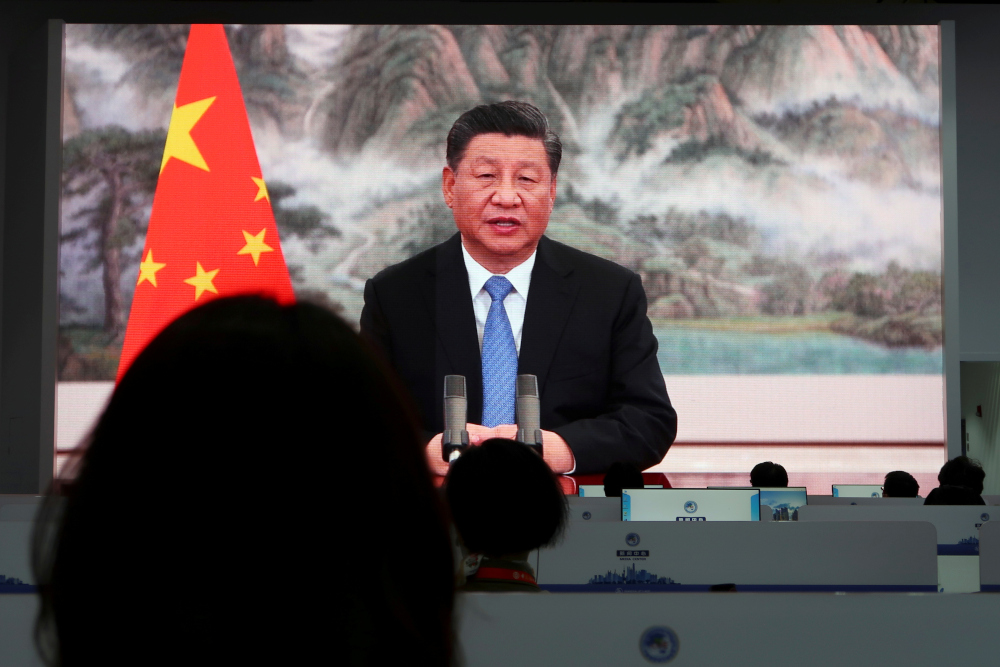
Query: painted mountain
{"type": "Point", "coordinates": [776, 187]}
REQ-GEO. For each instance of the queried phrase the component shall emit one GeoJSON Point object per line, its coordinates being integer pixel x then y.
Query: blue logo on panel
{"type": "Point", "coordinates": [586, 516]}
{"type": "Point", "coordinates": [659, 644]}
{"type": "Point", "coordinates": [984, 517]}
{"type": "Point", "coordinates": [690, 507]}
{"type": "Point", "coordinates": [632, 539]}
{"type": "Point", "coordinates": [875, 494]}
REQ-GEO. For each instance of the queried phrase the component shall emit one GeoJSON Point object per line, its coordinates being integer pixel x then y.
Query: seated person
{"type": "Point", "coordinates": [504, 527]}
{"type": "Point", "coordinates": [963, 471]}
{"type": "Point", "coordinates": [622, 475]}
{"type": "Point", "coordinates": [201, 521]}
{"type": "Point", "coordinates": [899, 484]}
{"type": "Point", "coordinates": [948, 494]}
{"type": "Point", "coordinates": [767, 473]}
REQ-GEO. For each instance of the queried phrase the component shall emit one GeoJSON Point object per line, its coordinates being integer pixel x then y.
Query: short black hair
{"type": "Point", "coordinates": [622, 476]}
{"type": "Point", "coordinates": [510, 118]}
{"type": "Point", "coordinates": [900, 484]}
{"type": "Point", "coordinates": [948, 494]}
{"type": "Point", "coordinates": [500, 524]}
{"type": "Point", "coordinates": [963, 471]}
{"type": "Point", "coordinates": [767, 473]}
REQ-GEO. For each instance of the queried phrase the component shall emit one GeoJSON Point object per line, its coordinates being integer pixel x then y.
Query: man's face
{"type": "Point", "coordinates": [501, 197]}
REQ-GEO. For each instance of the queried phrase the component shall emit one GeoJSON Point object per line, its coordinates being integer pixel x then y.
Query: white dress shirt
{"type": "Point", "coordinates": [514, 303]}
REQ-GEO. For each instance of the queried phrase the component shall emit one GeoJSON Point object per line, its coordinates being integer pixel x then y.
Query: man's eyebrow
{"type": "Point", "coordinates": [492, 162]}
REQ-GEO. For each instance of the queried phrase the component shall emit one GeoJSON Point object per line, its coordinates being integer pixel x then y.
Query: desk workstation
{"type": "Point", "coordinates": [888, 552]}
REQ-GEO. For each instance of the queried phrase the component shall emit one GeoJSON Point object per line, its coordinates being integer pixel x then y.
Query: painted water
{"type": "Point", "coordinates": [692, 351]}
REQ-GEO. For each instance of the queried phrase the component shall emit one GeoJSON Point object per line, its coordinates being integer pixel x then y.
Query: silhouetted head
{"type": "Point", "coordinates": [500, 524]}
{"type": "Point", "coordinates": [963, 471]}
{"type": "Point", "coordinates": [509, 118]}
{"type": "Point", "coordinates": [899, 484]}
{"type": "Point", "coordinates": [233, 481]}
{"type": "Point", "coordinates": [768, 474]}
{"type": "Point", "coordinates": [622, 476]}
{"type": "Point", "coordinates": [953, 495]}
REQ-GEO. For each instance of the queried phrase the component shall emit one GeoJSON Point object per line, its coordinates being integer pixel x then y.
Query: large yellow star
{"type": "Point", "coordinates": [179, 142]}
{"type": "Point", "coordinates": [261, 189]}
{"type": "Point", "coordinates": [202, 280]}
{"type": "Point", "coordinates": [255, 245]}
{"type": "Point", "coordinates": [148, 269]}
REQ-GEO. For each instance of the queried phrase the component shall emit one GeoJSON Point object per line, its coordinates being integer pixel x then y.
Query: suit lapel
{"type": "Point", "coordinates": [455, 322]}
{"type": "Point", "coordinates": [550, 301]}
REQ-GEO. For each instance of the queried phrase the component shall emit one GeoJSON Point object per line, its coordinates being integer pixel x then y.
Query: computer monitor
{"type": "Point", "coordinates": [784, 501]}
{"type": "Point", "coordinates": [690, 505]}
{"type": "Point", "coordinates": [594, 509]}
{"type": "Point", "coordinates": [597, 490]}
{"type": "Point", "coordinates": [857, 491]}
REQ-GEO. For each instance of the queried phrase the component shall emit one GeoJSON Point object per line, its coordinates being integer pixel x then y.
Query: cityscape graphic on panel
{"type": "Point", "coordinates": [630, 575]}
{"type": "Point", "coordinates": [14, 585]}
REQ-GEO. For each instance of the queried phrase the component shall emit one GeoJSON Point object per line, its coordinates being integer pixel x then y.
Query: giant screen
{"type": "Point", "coordinates": [777, 188]}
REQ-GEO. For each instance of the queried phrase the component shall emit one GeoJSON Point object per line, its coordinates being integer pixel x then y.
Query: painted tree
{"type": "Point", "coordinates": [115, 170]}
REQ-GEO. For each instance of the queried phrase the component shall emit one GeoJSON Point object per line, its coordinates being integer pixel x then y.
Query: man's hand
{"type": "Point", "coordinates": [477, 434]}
{"type": "Point", "coordinates": [555, 451]}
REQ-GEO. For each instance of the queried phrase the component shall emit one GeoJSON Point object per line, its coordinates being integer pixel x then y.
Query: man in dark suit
{"type": "Point", "coordinates": [463, 308]}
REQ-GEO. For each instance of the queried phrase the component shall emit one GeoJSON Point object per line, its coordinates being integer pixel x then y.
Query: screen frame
{"type": "Point", "coordinates": [28, 411]}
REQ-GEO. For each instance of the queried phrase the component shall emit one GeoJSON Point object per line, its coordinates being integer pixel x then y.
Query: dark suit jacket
{"type": "Point", "coordinates": [586, 336]}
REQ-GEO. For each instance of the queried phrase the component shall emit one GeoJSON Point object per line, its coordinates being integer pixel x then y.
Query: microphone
{"type": "Point", "coordinates": [529, 428]}
{"type": "Point", "coordinates": [454, 439]}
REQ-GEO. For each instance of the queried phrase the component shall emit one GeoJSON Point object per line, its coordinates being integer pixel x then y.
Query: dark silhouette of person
{"type": "Point", "coordinates": [963, 471]}
{"type": "Point", "coordinates": [767, 473]}
{"type": "Point", "coordinates": [900, 484]}
{"type": "Point", "coordinates": [622, 475]}
{"type": "Point", "coordinates": [217, 515]}
{"type": "Point", "coordinates": [948, 494]}
{"type": "Point", "coordinates": [503, 528]}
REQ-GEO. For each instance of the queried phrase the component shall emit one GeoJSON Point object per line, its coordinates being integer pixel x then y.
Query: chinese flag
{"type": "Point", "coordinates": [212, 231]}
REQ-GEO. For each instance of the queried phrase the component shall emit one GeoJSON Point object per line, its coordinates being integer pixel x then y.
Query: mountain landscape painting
{"type": "Point", "coordinates": [777, 188]}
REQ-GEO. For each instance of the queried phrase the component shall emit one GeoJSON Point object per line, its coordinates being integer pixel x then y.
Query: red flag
{"type": "Point", "coordinates": [211, 232]}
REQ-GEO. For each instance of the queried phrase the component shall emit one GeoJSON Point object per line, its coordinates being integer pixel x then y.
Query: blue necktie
{"type": "Point", "coordinates": [499, 358]}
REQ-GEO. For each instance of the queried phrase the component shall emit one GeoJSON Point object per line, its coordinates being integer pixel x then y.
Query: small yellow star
{"type": "Point", "coordinates": [148, 269]}
{"type": "Point", "coordinates": [202, 280]}
{"type": "Point", "coordinates": [261, 189]}
{"type": "Point", "coordinates": [255, 245]}
{"type": "Point", "coordinates": [179, 142]}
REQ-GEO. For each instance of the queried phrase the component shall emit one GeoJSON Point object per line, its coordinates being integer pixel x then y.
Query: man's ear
{"type": "Point", "coordinates": [552, 193]}
{"type": "Point", "coordinates": [448, 185]}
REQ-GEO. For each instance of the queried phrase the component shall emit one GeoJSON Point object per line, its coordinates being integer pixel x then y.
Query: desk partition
{"type": "Point", "coordinates": [668, 556]}
{"type": "Point", "coordinates": [15, 558]}
{"type": "Point", "coordinates": [17, 515]}
{"type": "Point", "coordinates": [814, 630]}
{"type": "Point", "coordinates": [989, 557]}
{"type": "Point", "coordinates": [957, 525]}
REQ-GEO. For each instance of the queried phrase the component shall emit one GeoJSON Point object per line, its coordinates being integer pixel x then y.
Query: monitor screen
{"type": "Point", "coordinates": [784, 501]}
{"type": "Point", "coordinates": [776, 187]}
{"type": "Point", "coordinates": [857, 491]}
{"type": "Point", "coordinates": [691, 505]}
